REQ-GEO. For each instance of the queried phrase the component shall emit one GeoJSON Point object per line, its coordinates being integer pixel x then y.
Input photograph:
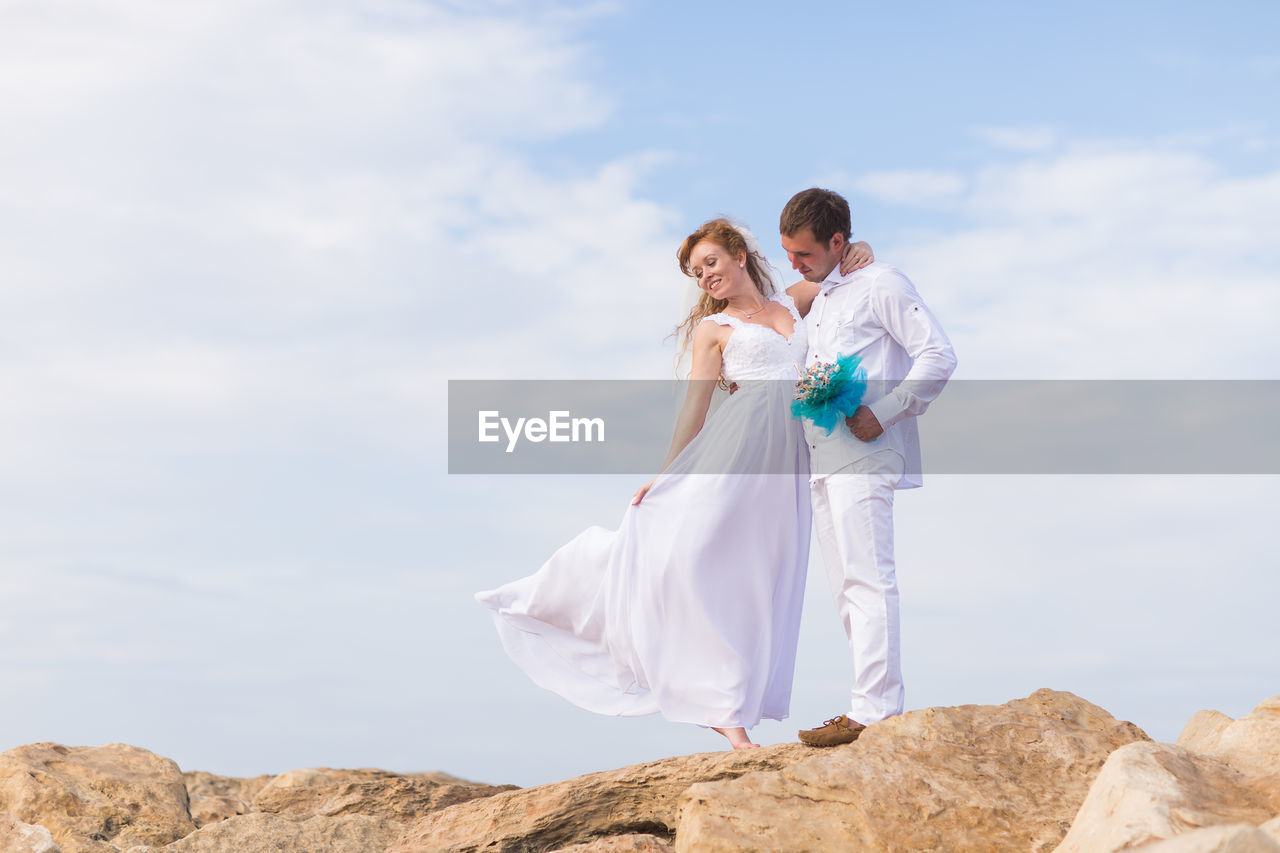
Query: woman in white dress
{"type": "Point", "coordinates": [692, 607]}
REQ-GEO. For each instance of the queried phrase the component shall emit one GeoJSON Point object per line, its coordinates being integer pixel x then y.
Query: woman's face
{"type": "Point", "coordinates": [716, 271]}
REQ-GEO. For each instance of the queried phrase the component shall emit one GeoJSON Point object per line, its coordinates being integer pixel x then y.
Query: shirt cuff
{"type": "Point", "coordinates": [888, 410]}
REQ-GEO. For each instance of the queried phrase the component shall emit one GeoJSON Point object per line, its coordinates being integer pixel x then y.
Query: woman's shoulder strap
{"type": "Point", "coordinates": [723, 319]}
{"type": "Point", "coordinates": [787, 301]}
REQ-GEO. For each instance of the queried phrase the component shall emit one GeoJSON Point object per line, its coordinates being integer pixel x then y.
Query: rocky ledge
{"type": "Point", "coordinates": [1050, 772]}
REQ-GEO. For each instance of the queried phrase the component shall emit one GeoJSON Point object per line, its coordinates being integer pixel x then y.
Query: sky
{"type": "Point", "coordinates": [245, 246]}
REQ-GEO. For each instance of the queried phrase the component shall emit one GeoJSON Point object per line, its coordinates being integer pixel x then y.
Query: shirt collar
{"type": "Point", "coordinates": [834, 279]}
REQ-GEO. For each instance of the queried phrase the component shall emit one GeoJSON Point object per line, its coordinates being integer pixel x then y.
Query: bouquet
{"type": "Point", "coordinates": [828, 393]}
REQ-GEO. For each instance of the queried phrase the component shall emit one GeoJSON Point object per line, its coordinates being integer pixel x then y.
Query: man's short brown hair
{"type": "Point", "coordinates": [821, 211]}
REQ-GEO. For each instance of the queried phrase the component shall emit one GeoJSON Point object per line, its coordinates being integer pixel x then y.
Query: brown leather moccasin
{"type": "Point", "coordinates": [834, 732]}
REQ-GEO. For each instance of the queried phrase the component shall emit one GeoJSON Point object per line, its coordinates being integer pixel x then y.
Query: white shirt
{"type": "Point", "coordinates": [876, 314]}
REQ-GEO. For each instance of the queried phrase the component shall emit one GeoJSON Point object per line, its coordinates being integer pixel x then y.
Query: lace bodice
{"type": "Point", "coordinates": [755, 351]}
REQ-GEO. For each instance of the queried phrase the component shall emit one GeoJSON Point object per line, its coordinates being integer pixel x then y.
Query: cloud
{"type": "Point", "coordinates": [226, 224]}
{"type": "Point", "coordinates": [919, 187]}
{"type": "Point", "coordinates": [246, 244]}
{"type": "Point", "coordinates": [1022, 139]}
{"type": "Point", "coordinates": [1106, 260]}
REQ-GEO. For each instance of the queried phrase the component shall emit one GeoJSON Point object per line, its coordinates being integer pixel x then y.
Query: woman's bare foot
{"type": "Point", "coordinates": [737, 738]}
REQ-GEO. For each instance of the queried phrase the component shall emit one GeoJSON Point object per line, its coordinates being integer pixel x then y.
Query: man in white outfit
{"type": "Point", "coordinates": [876, 314]}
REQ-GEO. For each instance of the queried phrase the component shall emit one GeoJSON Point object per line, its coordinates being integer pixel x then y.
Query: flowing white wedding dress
{"type": "Point", "coordinates": [692, 607]}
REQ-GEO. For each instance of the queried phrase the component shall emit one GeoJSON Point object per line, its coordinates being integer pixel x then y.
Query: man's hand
{"type": "Point", "coordinates": [864, 425]}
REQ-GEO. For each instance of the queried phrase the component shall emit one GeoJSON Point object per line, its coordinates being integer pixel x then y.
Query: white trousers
{"type": "Point", "coordinates": [853, 517]}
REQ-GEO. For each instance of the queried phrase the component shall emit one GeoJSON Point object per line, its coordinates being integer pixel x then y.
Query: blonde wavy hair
{"type": "Point", "coordinates": [726, 235]}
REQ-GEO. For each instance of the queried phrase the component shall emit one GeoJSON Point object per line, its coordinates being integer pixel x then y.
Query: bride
{"type": "Point", "coordinates": [691, 608]}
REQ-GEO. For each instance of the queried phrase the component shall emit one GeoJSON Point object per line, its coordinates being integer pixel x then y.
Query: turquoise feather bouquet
{"type": "Point", "coordinates": [828, 393]}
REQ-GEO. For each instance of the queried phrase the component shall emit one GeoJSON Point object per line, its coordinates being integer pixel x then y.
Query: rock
{"type": "Point", "coordinates": [268, 832]}
{"type": "Point", "coordinates": [19, 837]}
{"type": "Point", "coordinates": [641, 799]}
{"type": "Point", "coordinates": [990, 778]}
{"type": "Point", "coordinates": [1203, 730]}
{"type": "Point", "coordinates": [622, 844]}
{"type": "Point", "coordinates": [1151, 791]}
{"type": "Point", "coordinates": [377, 793]}
{"type": "Point", "coordinates": [96, 799]}
{"type": "Point", "coordinates": [1250, 744]}
{"type": "Point", "coordinates": [215, 798]}
{"type": "Point", "coordinates": [1235, 838]}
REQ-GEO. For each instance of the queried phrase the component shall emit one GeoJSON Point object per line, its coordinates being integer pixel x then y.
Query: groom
{"type": "Point", "coordinates": [876, 314]}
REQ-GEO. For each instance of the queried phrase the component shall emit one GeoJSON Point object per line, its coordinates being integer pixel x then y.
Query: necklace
{"type": "Point", "coordinates": [749, 315]}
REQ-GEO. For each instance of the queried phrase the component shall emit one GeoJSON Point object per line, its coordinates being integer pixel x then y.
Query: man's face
{"type": "Point", "coordinates": [812, 259]}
